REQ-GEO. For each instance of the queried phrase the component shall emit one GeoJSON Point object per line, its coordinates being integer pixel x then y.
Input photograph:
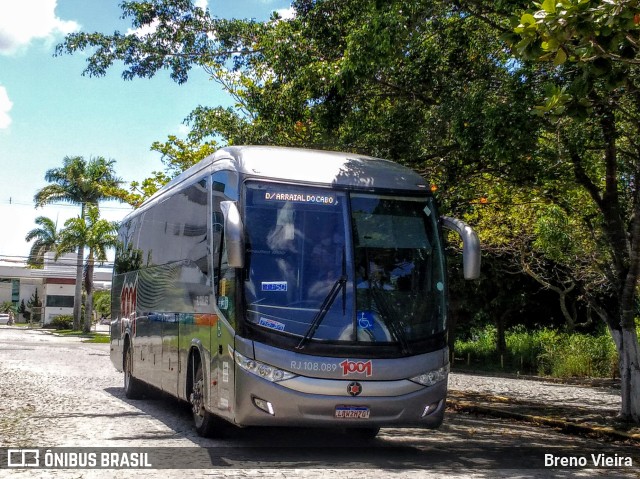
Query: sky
{"type": "Point", "coordinates": [49, 110]}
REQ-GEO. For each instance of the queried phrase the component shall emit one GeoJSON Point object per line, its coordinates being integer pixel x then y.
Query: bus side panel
{"type": "Point", "coordinates": [116, 346]}
{"type": "Point", "coordinates": [147, 357]}
{"type": "Point", "coordinates": [116, 352]}
{"type": "Point", "coordinates": [170, 331]}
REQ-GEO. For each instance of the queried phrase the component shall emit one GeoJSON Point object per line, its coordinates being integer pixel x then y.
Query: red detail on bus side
{"type": "Point", "coordinates": [128, 302]}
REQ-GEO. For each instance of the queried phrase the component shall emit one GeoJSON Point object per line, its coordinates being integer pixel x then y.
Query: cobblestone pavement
{"type": "Point", "coordinates": [60, 392]}
{"type": "Point", "coordinates": [580, 406]}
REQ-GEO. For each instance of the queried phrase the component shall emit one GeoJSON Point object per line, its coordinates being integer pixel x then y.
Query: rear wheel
{"type": "Point", "coordinates": [203, 420]}
{"type": "Point", "coordinates": [133, 388]}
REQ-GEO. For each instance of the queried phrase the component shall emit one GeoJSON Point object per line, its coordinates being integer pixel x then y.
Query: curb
{"type": "Point", "coordinates": [565, 426]}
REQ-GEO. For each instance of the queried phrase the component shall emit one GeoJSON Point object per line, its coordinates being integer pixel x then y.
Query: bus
{"type": "Point", "coordinates": [271, 286]}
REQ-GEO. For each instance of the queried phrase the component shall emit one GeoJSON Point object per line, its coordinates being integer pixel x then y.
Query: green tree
{"type": "Point", "coordinates": [102, 302]}
{"type": "Point", "coordinates": [422, 83]}
{"type": "Point", "coordinates": [84, 183]}
{"type": "Point", "coordinates": [22, 310]}
{"type": "Point", "coordinates": [35, 307]}
{"type": "Point", "coordinates": [46, 237]}
{"type": "Point", "coordinates": [591, 52]}
{"type": "Point", "coordinates": [98, 235]}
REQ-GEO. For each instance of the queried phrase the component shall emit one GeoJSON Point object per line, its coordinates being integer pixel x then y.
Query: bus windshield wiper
{"type": "Point", "coordinates": [390, 319]}
{"type": "Point", "coordinates": [340, 284]}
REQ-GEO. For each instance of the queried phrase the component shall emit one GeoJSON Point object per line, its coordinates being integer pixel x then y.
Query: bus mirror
{"type": "Point", "coordinates": [470, 246]}
{"type": "Point", "coordinates": [233, 234]}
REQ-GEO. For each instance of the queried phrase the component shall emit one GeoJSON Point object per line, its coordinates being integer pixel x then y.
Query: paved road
{"type": "Point", "coordinates": [63, 393]}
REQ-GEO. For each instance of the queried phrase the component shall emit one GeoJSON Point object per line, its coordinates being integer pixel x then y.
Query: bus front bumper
{"type": "Point", "coordinates": [263, 403]}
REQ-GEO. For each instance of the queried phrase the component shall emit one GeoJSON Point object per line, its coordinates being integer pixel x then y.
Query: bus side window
{"type": "Point", "coordinates": [227, 289]}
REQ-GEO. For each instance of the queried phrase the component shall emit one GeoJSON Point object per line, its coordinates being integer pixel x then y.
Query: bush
{"type": "Point", "coordinates": [582, 355]}
{"type": "Point", "coordinates": [481, 344]}
{"type": "Point", "coordinates": [64, 321]}
{"type": "Point", "coordinates": [543, 351]}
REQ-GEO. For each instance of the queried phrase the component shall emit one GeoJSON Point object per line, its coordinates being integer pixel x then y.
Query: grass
{"type": "Point", "coordinates": [90, 337]}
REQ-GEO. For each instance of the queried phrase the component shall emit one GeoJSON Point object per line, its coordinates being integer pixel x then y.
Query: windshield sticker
{"type": "Point", "coordinates": [328, 200]}
{"type": "Point", "coordinates": [274, 286]}
{"type": "Point", "coordinates": [365, 320]}
{"type": "Point", "coordinates": [271, 324]}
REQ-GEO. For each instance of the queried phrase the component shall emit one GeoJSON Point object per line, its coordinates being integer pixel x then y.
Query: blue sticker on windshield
{"type": "Point", "coordinates": [365, 320]}
{"type": "Point", "coordinates": [271, 324]}
{"type": "Point", "coordinates": [274, 286]}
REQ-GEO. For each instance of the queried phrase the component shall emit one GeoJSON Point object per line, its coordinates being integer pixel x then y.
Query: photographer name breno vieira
{"type": "Point", "coordinates": [591, 460]}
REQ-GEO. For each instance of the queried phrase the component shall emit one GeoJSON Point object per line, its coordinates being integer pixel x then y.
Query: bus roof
{"type": "Point", "coordinates": [316, 167]}
{"type": "Point", "coordinates": [320, 167]}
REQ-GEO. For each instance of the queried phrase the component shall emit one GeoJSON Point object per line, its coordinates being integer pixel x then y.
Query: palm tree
{"type": "Point", "coordinates": [98, 235]}
{"type": "Point", "coordinates": [85, 183]}
{"type": "Point", "coordinates": [46, 237]}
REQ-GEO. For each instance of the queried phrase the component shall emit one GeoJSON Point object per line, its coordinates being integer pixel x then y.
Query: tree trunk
{"type": "Point", "coordinates": [626, 341]}
{"type": "Point", "coordinates": [501, 342]}
{"type": "Point", "coordinates": [77, 299]}
{"type": "Point", "coordinates": [629, 354]}
{"type": "Point", "coordinates": [88, 308]}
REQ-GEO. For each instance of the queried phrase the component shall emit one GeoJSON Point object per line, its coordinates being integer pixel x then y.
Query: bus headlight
{"type": "Point", "coordinates": [262, 370]}
{"type": "Point", "coordinates": [432, 377]}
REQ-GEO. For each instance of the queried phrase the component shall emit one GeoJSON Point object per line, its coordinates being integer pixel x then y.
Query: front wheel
{"type": "Point", "coordinates": [203, 420]}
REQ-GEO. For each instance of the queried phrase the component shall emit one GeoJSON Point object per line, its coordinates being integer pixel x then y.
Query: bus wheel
{"type": "Point", "coordinates": [363, 433]}
{"type": "Point", "coordinates": [204, 420]}
{"type": "Point", "coordinates": [133, 388]}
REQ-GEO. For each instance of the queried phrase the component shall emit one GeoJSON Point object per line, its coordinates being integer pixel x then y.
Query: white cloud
{"type": "Point", "coordinates": [5, 107]}
{"type": "Point", "coordinates": [144, 30]}
{"type": "Point", "coordinates": [286, 13]}
{"type": "Point", "coordinates": [201, 3]}
{"type": "Point", "coordinates": [22, 21]}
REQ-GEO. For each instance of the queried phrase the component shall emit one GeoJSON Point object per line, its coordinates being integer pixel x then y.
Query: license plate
{"type": "Point", "coordinates": [352, 412]}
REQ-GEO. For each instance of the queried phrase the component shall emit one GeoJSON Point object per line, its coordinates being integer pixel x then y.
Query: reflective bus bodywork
{"type": "Point", "coordinates": [273, 286]}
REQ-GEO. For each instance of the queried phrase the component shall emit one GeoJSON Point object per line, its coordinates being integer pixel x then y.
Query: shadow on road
{"type": "Point", "coordinates": [463, 443]}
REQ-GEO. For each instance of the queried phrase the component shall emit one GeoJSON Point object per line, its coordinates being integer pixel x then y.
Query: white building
{"type": "Point", "coordinates": [55, 284]}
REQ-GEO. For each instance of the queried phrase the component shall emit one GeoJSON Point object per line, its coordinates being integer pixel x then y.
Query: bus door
{"type": "Point", "coordinates": [222, 400]}
{"type": "Point", "coordinates": [222, 346]}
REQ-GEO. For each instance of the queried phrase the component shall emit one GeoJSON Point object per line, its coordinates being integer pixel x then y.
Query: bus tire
{"type": "Point", "coordinates": [133, 388]}
{"type": "Point", "coordinates": [204, 421]}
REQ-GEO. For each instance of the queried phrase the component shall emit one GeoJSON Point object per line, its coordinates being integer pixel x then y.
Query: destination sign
{"type": "Point", "coordinates": [313, 198]}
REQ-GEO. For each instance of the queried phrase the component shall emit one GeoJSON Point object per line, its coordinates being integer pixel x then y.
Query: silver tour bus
{"type": "Point", "coordinates": [277, 286]}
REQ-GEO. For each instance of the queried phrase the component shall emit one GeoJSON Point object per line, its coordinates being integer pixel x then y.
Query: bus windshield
{"type": "Point", "coordinates": [334, 266]}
